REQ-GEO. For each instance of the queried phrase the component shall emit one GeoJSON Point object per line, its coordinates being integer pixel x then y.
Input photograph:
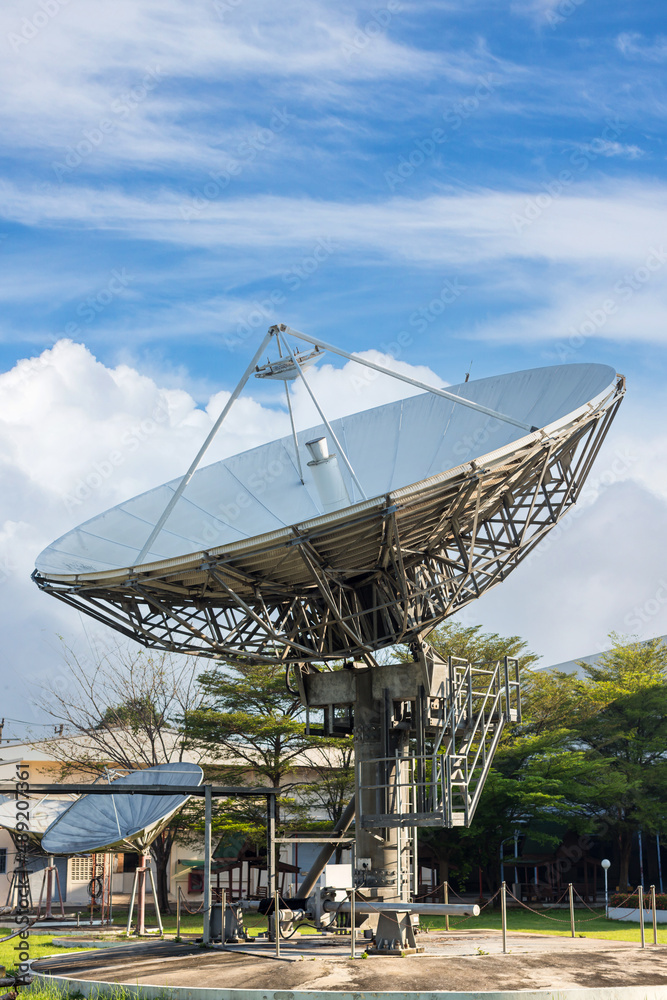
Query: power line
{"type": "Point", "coordinates": [24, 722]}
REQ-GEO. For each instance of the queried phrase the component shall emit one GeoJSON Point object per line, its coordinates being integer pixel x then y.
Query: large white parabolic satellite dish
{"type": "Point", "coordinates": [121, 822]}
{"type": "Point", "coordinates": [437, 503]}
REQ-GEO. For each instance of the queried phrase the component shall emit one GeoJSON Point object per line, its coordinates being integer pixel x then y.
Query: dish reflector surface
{"type": "Point", "coordinates": [42, 813]}
{"type": "Point", "coordinates": [390, 447]}
{"type": "Point", "coordinates": [121, 822]}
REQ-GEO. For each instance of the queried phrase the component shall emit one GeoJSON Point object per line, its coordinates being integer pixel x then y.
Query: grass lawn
{"type": "Point", "coordinates": [585, 925]}
{"type": "Point", "coordinates": [40, 944]}
{"type": "Point", "coordinates": [518, 920]}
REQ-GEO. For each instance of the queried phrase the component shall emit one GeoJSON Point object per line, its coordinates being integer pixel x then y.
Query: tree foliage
{"type": "Point", "coordinates": [250, 720]}
{"type": "Point", "coordinates": [122, 709]}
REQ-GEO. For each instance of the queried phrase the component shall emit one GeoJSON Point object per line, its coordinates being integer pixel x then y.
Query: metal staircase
{"type": "Point", "coordinates": [435, 777]}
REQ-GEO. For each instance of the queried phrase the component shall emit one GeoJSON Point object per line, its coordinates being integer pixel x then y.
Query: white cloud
{"type": "Point", "coordinates": [578, 310]}
{"type": "Point", "coordinates": [132, 64]}
{"type": "Point", "coordinates": [615, 225]}
{"type": "Point", "coordinates": [77, 437]}
{"type": "Point", "coordinates": [633, 44]}
{"type": "Point", "coordinates": [604, 249]}
{"type": "Point", "coordinates": [605, 147]}
{"type": "Point", "coordinates": [598, 572]}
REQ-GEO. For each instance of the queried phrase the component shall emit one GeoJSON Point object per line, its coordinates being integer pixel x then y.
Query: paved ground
{"type": "Point", "coordinates": [457, 961]}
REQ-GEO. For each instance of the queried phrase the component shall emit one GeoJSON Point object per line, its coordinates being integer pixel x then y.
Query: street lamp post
{"type": "Point", "coordinates": [606, 865]}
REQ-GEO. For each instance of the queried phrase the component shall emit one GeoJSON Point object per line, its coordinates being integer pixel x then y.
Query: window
{"type": "Point", "coordinates": [3, 860]}
{"type": "Point", "coordinates": [81, 869]}
{"type": "Point", "coordinates": [195, 882]}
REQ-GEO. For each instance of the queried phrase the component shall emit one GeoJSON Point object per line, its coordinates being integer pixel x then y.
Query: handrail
{"type": "Point", "coordinates": [448, 780]}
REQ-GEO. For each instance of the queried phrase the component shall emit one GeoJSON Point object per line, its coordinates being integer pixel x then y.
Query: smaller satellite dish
{"type": "Point", "coordinates": [128, 822]}
{"type": "Point", "coordinates": [39, 817]}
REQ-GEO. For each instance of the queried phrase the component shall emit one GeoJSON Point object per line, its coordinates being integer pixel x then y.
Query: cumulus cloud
{"type": "Point", "coordinates": [77, 437]}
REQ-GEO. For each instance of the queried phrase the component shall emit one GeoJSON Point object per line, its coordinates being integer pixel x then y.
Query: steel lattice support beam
{"type": "Point", "coordinates": [389, 576]}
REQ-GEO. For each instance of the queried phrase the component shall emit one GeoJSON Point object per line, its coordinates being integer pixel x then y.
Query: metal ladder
{"type": "Point", "coordinates": [464, 722]}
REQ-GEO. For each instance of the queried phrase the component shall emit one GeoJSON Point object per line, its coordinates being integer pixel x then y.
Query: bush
{"type": "Point", "coordinates": [619, 899]}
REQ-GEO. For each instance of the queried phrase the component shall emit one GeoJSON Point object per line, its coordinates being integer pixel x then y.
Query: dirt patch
{"type": "Point", "coordinates": [455, 963]}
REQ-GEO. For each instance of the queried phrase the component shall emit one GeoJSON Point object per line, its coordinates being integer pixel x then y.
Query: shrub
{"type": "Point", "coordinates": [632, 901]}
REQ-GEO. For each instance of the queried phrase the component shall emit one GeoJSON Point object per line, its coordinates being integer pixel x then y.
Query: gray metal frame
{"type": "Point", "coordinates": [442, 785]}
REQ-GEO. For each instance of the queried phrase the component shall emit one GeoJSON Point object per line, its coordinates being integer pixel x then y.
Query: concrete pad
{"type": "Point", "coordinates": [460, 965]}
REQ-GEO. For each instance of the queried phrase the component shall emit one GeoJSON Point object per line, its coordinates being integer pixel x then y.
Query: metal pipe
{"type": "Point", "coordinates": [571, 899]}
{"type": "Point", "coordinates": [141, 900]}
{"type": "Point", "coordinates": [657, 844]}
{"type": "Point", "coordinates": [49, 888]}
{"type": "Point", "coordinates": [322, 858]}
{"type": "Point", "coordinates": [271, 866]}
{"type": "Point", "coordinates": [503, 913]}
{"type": "Point", "coordinates": [132, 898]}
{"type": "Point", "coordinates": [428, 909]}
{"type": "Point", "coordinates": [324, 420]}
{"type": "Point", "coordinates": [276, 921]}
{"type": "Point", "coordinates": [294, 434]}
{"type": "Point", "coordinates": [208, 803]}
{"type": "Point", "coordinates": [164, 517]}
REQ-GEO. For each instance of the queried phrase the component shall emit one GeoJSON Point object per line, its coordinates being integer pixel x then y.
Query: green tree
{"type": "Point", "coordinates": [249, 720]}
{"type": "Point", "coordinates": [120, 710]}
{"type": "Point", "coordinates": [620, 719]}
{"type": "Point", "coordinates": [471, 643]}
{"type": "Point", "coordinates": [535, 773]}
{"type": "Point", "coordinates": [332, 790]}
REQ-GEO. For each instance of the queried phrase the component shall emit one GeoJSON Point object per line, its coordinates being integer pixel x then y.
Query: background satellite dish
{"type": "Point", "coordinates": [43, 812]}
{"type": "Point", "coordinates": [348, 536]}
{"type": "Point", "coordinates": [121, 822]}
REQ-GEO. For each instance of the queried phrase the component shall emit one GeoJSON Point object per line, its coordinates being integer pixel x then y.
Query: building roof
{"type": "Point", "coordinates": [572, 666]}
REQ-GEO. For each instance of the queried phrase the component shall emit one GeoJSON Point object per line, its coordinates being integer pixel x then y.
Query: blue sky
{"type": "Point", "coordinates": [302, 122]}
{"type": "Point", "coordinates": [487, 179]}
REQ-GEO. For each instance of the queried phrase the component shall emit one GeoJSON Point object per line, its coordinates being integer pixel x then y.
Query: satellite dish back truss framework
{"type": "Point", "coordinates": [382, 571]}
